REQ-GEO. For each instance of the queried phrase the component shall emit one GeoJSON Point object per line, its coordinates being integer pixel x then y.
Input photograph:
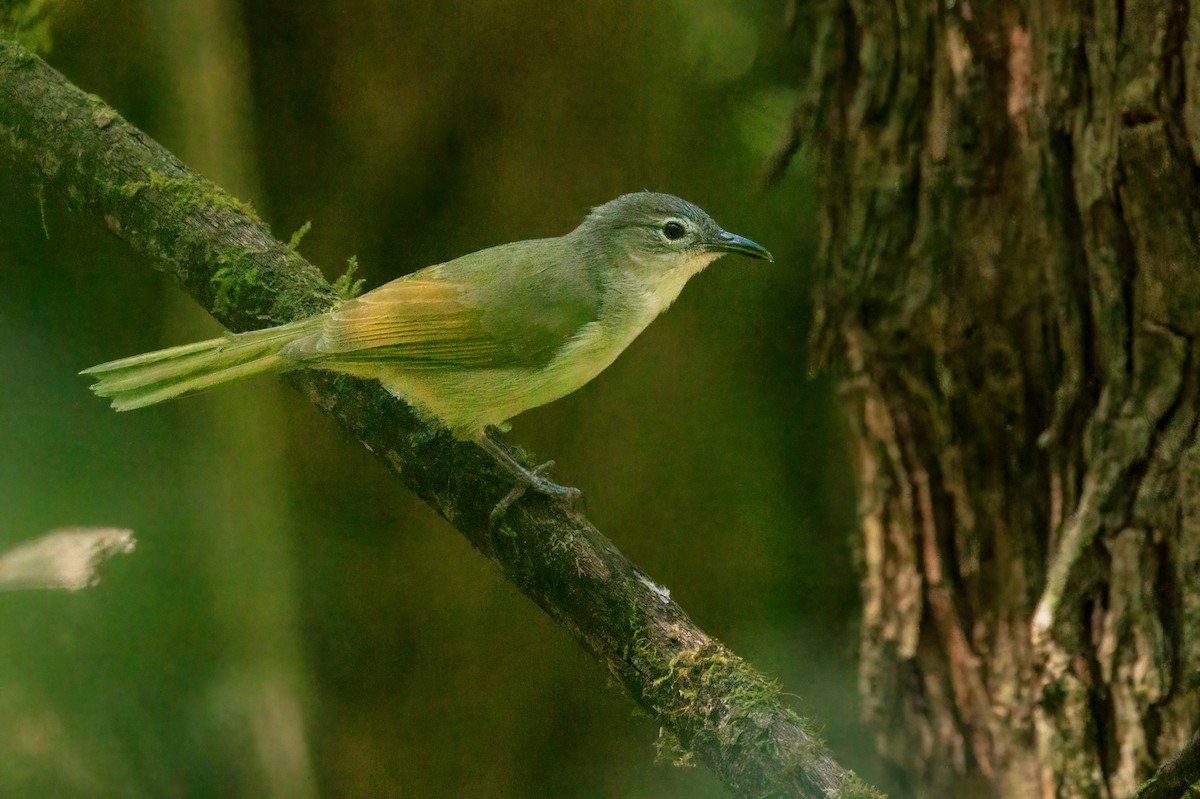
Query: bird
{"type": "Point", "coordinates": [471, 342]}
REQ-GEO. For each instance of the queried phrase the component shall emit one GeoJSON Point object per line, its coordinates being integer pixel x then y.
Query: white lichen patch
{"type": "Point", "coordinates": [64, 559]}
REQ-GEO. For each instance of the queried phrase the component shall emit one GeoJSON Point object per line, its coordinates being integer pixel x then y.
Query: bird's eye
{"type": "Point", "coordinates": [673, 230]}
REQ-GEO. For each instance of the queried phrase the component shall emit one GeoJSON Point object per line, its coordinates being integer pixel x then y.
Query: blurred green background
{"type": "Point", "coordinates": [295, 624]}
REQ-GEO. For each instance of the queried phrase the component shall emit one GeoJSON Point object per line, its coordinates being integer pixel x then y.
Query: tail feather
{"type": "Point", "coordinates": [154, 377]}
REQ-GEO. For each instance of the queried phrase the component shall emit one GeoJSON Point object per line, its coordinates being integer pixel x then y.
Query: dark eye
{"type": "Point", "coordinates": [673, 230]}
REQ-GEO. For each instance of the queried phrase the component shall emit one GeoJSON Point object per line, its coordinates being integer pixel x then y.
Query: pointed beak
{"type": "Point", "coordinates": [732, 242]}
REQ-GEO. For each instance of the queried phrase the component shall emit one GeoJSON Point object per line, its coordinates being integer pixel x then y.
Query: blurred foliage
{"type": "Point", "coordinates": [293, 621]}
{"type": "Point", "coordinates": [28, 22]}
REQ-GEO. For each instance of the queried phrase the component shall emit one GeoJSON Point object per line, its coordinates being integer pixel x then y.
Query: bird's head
{"type": "Point", "coordinates": [663, 232]}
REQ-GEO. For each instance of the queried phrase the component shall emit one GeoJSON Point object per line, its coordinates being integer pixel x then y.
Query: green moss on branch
{"type": "Point", "coordinates": [218, 250]}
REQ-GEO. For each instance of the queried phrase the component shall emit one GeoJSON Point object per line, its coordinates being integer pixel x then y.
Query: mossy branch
{"type": "Point", "coordinates": [721, 711]}
{"type": "Point", "coordinates": [1177, 776]}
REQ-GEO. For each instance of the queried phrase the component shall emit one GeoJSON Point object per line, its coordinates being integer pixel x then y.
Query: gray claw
{"type": "Point", "coordinates": [534, 479]}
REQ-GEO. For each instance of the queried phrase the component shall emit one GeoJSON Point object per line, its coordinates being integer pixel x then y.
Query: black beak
{"type": "Point", "coordinates": [732, 242]}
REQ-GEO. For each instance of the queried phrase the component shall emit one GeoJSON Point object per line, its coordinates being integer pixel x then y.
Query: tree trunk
{"type": "Point", "coordinates": [1012, 291]}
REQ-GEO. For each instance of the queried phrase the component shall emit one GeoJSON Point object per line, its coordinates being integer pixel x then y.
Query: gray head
{"type": "Point", "coordinates": [666, 229]}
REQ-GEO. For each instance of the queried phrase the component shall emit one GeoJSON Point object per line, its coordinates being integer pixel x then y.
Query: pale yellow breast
{"type": "Point", "coordinates": [467, 400]}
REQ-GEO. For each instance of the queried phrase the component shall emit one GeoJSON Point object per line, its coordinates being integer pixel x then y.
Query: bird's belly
{"type": "Point", "coordinates": [467, 400]}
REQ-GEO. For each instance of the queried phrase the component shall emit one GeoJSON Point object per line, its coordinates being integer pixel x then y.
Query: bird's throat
{"type": "Point", "coordinates": [655, 289]}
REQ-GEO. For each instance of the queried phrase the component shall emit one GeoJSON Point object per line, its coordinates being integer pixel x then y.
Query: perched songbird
{"type": "Point", "coordinates": [477, 340]}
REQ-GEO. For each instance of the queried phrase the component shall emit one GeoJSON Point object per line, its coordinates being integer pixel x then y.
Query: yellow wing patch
{"type": "Point", "coordinates": [417, 321]}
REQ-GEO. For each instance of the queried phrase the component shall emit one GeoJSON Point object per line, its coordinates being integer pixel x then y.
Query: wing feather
{"type": "Point", "coordinates": [442, 316]}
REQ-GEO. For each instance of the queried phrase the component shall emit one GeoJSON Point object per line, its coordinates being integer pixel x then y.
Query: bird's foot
{"type": "Point", "coordinates": [525, 480]}
{"type": "Point", "coordinates": [532, 478]}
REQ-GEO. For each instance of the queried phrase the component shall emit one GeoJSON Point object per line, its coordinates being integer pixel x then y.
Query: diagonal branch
{"type": "Point", "coordinates": [719, 708]}
{"type": "Point", "coordinates": [1175, 777]}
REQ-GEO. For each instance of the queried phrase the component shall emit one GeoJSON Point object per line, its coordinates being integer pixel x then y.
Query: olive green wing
{"type": "Point", "coordinates": [418, 322]}
{"type": "Point", "coordinates": [502, 307]}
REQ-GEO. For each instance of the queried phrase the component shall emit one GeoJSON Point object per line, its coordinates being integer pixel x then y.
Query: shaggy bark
{"type": "Point", "coordinates": [1012, 292]}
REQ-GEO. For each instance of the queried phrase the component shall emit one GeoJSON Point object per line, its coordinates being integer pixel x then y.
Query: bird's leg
{"type": "Point", "coordinates": [526, 478]}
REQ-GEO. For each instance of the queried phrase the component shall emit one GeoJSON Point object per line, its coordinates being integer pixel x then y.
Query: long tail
{"type": "Point", "coordinates": [165, 374]}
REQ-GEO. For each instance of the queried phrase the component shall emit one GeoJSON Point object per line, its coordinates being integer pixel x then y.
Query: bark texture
{"type": "Point", "coordinates": [1012, 291]}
